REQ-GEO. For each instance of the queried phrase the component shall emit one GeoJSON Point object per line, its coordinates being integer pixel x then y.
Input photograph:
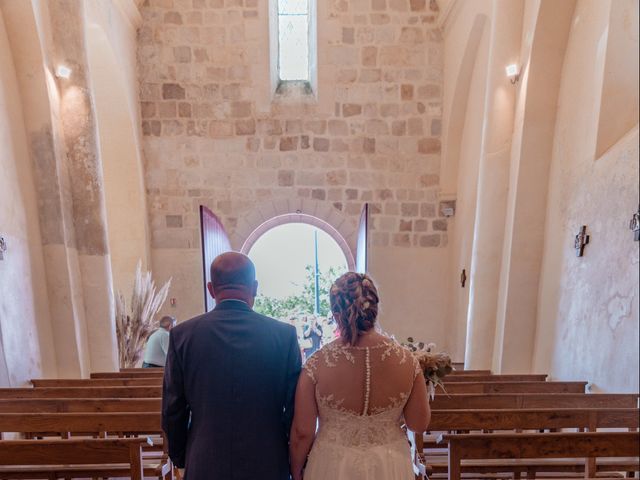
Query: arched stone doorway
{"type": "Point", "coordinates": [297, 258]}
{"type": "Point", "coordinates": [304, 219]}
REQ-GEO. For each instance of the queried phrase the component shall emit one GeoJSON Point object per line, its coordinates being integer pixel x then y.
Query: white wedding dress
{"type": "Point", "coordinates": [361, 393]}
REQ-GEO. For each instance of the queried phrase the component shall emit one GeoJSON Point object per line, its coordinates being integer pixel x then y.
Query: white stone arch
{"type": "Point", "coordinates": [455, 117]}
{"type": "Point", "coordinates": [270, 214]}
{"type": "Point", "coordinates": [122, 169]}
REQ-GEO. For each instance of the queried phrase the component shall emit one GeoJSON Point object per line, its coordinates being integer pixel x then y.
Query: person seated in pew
{"type": "Point", "coordinates": [155, 353]}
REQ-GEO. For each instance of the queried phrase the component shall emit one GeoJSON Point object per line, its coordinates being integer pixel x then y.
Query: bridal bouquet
{"type": "Point", "coordinates": [435, 365]}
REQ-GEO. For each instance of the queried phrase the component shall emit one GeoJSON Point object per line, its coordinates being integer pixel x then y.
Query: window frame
{"type": "Point", "coordinates": [302, 87]}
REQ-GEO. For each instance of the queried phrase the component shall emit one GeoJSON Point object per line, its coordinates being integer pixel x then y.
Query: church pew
{"type": "Point", "coordinates": [102, 382]}
{"type": "Point", "coordinates": [470, 372]}
{"type": "Point", "coordinates": [534, 419]}
{"type": "Point", "coordinates": [98, 424]}
{"type": "Point", "coordinates": [52, 459]}
{"type": "Point", "coordinates": [141, 370]}
{"type": "Point", "coordinates": [78, 405]}
{"type": "Point", "coordinates": [589, 419]}
{"type": "Point", "coordinates": [540, 446]}
{"type": "Point", "coordinates": [449, 379]}
{"type": "Point", "coordinates": [102, 425]}
{"type": "Point", "coordinates": [82, 392]}
{"type": "Point", "coordinates": [515, 387]}
{"type": "Point", "coordinates": [147, 373]}
{"type": "Point", "coordinates": [529, 400]}
{"type": "Point", "coordinates": [496, 378]}
{"type": "Point", "coordinates": [515, 420]}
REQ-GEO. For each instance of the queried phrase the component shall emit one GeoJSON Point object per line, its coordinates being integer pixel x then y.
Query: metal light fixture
{"type": "Point", "coordinates": [513, 72]}
{"type": "Point", "coordinates": [63, 72]}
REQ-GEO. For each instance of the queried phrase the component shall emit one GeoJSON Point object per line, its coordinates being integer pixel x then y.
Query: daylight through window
{"type": "Point", "coordinates": [293, 40]}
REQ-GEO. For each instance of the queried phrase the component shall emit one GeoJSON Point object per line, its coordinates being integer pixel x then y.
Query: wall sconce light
{"type": "Point", "coordinates": [63, 72]}
{"type": "Point", "coordinates": [513, 73]}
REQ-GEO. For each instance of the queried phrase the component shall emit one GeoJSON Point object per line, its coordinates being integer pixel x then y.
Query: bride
{"type": "Point", "coordinates": [361, 387]}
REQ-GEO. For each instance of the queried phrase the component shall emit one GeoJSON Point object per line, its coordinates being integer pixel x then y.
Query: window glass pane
{"type": "Point", "coordinates": [294, 47]}
{"type": "Point", "coordinates": [293, 7]}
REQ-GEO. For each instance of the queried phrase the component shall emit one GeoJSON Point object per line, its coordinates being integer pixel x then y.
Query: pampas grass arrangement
{"type": "Point", "coordinates": [133, 328]}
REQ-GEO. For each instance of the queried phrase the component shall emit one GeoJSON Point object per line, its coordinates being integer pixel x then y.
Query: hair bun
{"type": "Point", "coordinates": [354, 302]}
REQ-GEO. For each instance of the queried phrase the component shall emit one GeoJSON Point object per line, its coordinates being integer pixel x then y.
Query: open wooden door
{"type": "Point", "coordinates": [214, 241]}
{"type": "Point", "coordinates": [363, 241]}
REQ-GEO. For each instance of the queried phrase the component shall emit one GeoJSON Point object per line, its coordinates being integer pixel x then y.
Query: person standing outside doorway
{"type": "Point", "coordinates": [155, 354]}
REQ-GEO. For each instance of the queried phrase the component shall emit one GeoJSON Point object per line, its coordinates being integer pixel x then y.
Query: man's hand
{"type": "Point", "coordinates": [179, 473]}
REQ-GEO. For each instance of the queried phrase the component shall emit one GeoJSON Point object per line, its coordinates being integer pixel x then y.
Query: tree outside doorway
{"type": "Point", "coordinates": [296, 265]}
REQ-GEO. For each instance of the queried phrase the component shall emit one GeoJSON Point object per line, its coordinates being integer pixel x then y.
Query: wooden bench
{"type": "Point", "coordinates": [141, 370]}
{"type": "Point", "coordinates": [534, 419]}
{"type": "Point", "coordinates": [101, 382]}
{"type": "Point", "coordinates": [548, 400]}
{"type": "Point", "coordinates": [470, 372]}
{"type": "Point", "coordinates": [144, 374]}
{"type": "Point", "coordinates": [82, 392]}
{"type": "Point", "coordinates": [495, 378]}
{"type": "Point", "coordinates": [515, 387]}
{"type": "Point", "coordinates": [517, 420]}
{"type": "Point", "coordinates": [95, 424]}
{"type": "Point", "coordinates": [78, 405]}
{"type": "Point", "coordinates": [52, 459]}
{"type": "Point", "coordinates": [542, 446]}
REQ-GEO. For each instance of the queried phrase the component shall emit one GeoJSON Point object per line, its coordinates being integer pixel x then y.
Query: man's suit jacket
{"type": "Point", "coordinates": [229, 387]}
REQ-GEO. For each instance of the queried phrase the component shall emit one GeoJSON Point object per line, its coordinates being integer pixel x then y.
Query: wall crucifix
{"type": "Point", "coordinates": [634, 225]}
{"type": "Point", "coordinates": [581, 241]}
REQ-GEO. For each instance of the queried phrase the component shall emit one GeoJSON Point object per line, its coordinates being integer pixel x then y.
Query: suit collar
{"type": "Point", "coordinates": [233, 305]}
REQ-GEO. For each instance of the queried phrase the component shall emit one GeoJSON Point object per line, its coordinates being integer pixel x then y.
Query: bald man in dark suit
{"type": "Point", "coordinates": [229, 384]}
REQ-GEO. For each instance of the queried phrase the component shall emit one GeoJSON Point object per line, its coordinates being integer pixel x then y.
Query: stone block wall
{"type": "Point", "coordinates": [215, 134]}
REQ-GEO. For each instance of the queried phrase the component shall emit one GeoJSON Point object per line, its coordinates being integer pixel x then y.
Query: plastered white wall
{"type": "Point", "coordinates": [26, 350]}
{"type": "Point", "coordinates": [588, 307]}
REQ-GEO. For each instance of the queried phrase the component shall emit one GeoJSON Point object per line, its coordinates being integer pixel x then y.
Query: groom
{"type": "Point", "coordinates": [229, 384]}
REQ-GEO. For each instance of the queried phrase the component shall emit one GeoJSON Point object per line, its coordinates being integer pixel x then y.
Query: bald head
{"type": "Point", "coordinates": [167, 322]}
{"type": "Point", "coordinates": [233, 276]}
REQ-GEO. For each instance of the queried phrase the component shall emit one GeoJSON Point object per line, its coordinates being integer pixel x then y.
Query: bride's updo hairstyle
{"type": "Point", "coordinates": [354, 303]}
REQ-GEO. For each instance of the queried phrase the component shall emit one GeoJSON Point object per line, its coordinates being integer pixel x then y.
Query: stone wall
{"type": "Point", "coordinates": [208, 143]}
{"type": "Point", "coordinates": [216, 135]}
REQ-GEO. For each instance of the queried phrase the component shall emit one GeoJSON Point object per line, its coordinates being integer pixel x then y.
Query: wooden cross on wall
{"type": "Point", "coordinates": [581, 241]}
{"type": "Point", "coordinates": [634, 225]}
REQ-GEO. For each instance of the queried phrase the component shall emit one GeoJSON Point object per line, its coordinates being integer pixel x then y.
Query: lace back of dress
{"type": "Point", "coordinates": [362, 381]}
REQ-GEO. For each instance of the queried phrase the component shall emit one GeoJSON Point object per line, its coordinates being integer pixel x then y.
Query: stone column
{"type": "Point", "coordinates": [85, 183]}
{"type": "Point", "coordinates": [493, 184]}
{"type": "Point", "coordinates": [545, 34]}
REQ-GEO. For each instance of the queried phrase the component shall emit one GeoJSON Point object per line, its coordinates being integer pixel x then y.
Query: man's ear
{"type": "Point", "coordinates": [210, 289]}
